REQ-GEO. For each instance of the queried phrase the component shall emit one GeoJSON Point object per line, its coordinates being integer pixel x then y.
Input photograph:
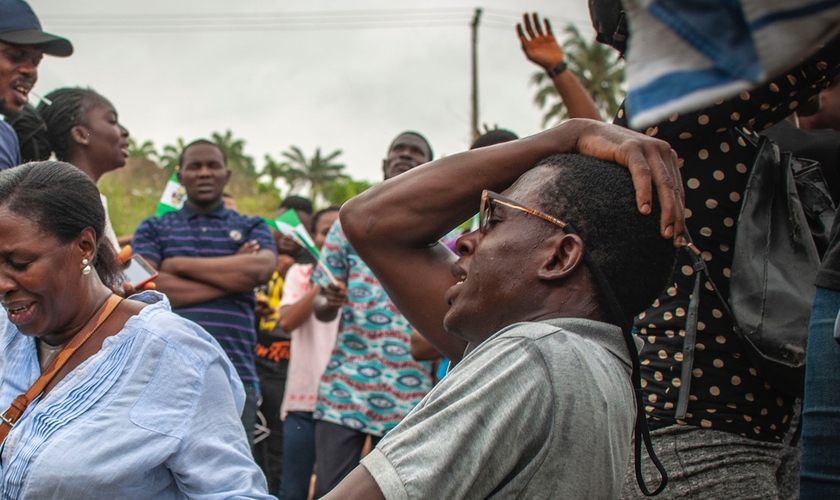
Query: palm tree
{"type": "Point", "coordinates": [170, 156]}
{"type": "Point", "coordinates": [597, 67]}
{"type": "Point", "coordinates": [317, 171]}
{"type": "Point", "coordinates": [237, 161]}
{"type": "Point", "coordinates": [281, 170]}
{"type": "Point", "coordinates": [145, 151]}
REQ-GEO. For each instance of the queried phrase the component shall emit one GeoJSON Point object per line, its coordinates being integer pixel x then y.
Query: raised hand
{"type": "Point", "coordinates": [540, 47]}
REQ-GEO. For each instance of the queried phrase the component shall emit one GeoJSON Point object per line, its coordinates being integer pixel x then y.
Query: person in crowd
{"type": "Point", "coordinates": [312, 343]}
{"type": "Point", "coordinates": [735, 421]}
{"type": "Point", "coordinates": [541, 405]}
{"type": "Point", "coordinates": [84, 130]}
{"type": "Point", "coordinates": [371, 381]}
{"type": "Point", "coordinates": [155, 393]}
{"type": "Point", "coordinates": [22, 46]}
{"type": "Point", "coordinates": [820, 469]}
{"type": "Point", "coordinates": [209, 261]}
{"type": "Point", "coordinates": [273, 344]}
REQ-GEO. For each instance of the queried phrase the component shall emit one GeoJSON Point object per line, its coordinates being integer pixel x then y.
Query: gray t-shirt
{"type": "Point", "coordinates": [538, 410]}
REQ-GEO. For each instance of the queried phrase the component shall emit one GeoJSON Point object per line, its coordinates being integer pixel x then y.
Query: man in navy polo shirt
{"type": "Point", "coordinates": [209, 261]}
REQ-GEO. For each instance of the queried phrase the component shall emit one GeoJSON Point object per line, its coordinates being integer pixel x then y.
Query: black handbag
{"type": "Point", "coordinates": [782, 230]}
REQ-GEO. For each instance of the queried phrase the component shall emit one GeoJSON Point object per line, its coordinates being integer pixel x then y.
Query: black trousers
{"type": "Point", "coordinates": [338, 450]}
{"type": "Point", "coordinates": [269, 452]}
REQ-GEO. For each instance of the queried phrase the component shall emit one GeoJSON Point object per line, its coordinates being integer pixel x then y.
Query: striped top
{"type": "Point", "coordinates": [218, 233]}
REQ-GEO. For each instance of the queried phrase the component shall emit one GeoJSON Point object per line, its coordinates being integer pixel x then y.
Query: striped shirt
{"type": "Point", "coordinates": [218, 233]}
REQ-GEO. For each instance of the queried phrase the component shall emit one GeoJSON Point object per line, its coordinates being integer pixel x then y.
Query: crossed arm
{"type": "Point", "coordinates": [191, 280]}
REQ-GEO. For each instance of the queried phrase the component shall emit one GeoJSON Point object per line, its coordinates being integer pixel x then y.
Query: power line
{"type": "Point", "coordinates": [205, 22]}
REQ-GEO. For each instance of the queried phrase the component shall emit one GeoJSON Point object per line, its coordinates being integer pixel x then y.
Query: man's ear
{"type": "Point", "coordinates": [384, 163]}
{"type": "Point", "coordinates": [566, 255]}
{"type": "Point", "coordinates": [80, 135]}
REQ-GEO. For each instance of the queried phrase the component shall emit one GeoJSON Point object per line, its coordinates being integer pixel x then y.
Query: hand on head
{"type": "Point", "coordinates": [653, 165]}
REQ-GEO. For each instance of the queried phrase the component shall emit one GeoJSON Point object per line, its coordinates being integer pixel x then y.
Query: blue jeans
{"type": "Point", "coordinates": [820, 472]}
{"type": "Point", "coordinates": [299, 446]}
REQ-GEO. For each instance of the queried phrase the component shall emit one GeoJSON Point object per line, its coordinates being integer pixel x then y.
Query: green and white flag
{"type": "Point", "coordinates": [289, 224]}
{"type": "Point", "coordinates": [173, 197]}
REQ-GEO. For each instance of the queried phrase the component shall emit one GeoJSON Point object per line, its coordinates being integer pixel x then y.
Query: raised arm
{"type": "Point", "coordinates": [542, 49]}
{"type": "Point", "coordinates": [395, 230]}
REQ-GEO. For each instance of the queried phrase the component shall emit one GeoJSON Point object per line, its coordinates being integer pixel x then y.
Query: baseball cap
{"type": "Point", "coordinates": [20, 26]}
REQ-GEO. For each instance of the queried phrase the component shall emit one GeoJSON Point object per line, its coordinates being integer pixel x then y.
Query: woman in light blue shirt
{"type": "Point", "coordinates": [148, 407]}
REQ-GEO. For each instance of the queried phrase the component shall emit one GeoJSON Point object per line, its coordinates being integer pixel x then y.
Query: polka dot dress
{"type": "Point", "coordinates": [727, 392]}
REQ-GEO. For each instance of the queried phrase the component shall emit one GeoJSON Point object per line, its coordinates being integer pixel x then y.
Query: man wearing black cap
{"type": "Point", "coordinates": [22, 45]}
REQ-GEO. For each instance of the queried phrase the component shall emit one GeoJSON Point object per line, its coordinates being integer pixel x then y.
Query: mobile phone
{"type": "Point", "coordinates": [138, 272]}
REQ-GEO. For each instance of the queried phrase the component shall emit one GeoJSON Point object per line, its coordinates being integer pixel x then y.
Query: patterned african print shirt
{"type": "Point", "coordinates": [371, 381]}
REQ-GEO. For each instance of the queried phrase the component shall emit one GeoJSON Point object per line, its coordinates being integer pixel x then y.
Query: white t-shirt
{"type": "Point", "coordinates": [311, 345]}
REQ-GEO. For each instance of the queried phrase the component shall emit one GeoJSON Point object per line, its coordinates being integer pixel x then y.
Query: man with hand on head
{"type": "Point", "coordinates": [209, 261]}
{"type": "Point", "coordinates": [22, 45]}
{"type": "Point", "coordinates": [541, 405]}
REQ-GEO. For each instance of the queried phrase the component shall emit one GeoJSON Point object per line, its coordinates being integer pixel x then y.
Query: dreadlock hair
{"type": "Point", "coordinates": [321, 213]}
{"type": "Point", "coordinates": [32, 134]}
{"type": "Point", "coordinates": [68, 109]}
{"type": "Point", "coordinates": [201, 141]}
{"type": "Point", "coordinates": [63, 201]}
{"type": "Point", "coordinates": [598, 199]}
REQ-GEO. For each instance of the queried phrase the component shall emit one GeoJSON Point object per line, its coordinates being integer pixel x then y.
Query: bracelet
{"type": "Point", "coordinates": [556, 70]}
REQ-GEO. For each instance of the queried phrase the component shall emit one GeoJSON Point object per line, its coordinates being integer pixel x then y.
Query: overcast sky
{"type": "Point", "coordinates": [317, 73]}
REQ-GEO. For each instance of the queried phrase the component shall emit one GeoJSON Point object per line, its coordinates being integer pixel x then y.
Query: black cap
{"type": "Point", "coordinates": [20, 26]}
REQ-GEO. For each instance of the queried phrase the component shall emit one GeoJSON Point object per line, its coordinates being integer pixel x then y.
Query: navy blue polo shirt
{"type": "Point", "coordinates": [220, 232]}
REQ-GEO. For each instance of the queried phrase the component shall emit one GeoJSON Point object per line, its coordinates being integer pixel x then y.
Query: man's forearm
{"type": "Point", "coordinates": [184, 292]}
{"type": "Point", "coordinates": [232, 273]}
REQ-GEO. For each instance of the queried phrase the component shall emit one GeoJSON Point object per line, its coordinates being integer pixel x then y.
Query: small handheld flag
{"type": "Point", "coordinates": [289, 224]}
{"type": "Point", "coordinates": [173, 197]}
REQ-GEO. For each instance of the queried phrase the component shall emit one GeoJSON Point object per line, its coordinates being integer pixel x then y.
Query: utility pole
{"type": "Point", "coordinates": [474, 96]}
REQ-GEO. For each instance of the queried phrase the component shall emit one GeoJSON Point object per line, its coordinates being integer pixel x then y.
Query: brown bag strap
{"type": "Point", "coordinates": [9, 418]}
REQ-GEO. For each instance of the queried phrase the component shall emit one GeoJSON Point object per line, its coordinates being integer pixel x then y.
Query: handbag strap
{"type": "Point", "coordinates": [9, 418]}
{"type": "Point", "coordinates": [692, 319]}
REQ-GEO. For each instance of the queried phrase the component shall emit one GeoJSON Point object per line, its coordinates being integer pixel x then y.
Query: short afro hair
{"type": "Point", "coordinates": [417, 134]}
{"type": "Point", "coordinates": [201, 141]}
{"type": "Point", "coordinates": [598, 199]}
{"type": "Point", "coordinates": [493, 137]}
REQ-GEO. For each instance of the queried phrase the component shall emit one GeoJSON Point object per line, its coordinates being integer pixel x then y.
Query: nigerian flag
{"type": "Point", "coordinates": [289, 224]}
{"type": "Point", "coordinates": [173, 197]}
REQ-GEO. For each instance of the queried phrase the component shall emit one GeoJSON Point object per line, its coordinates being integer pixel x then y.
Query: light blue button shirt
{"type": "Point", "coordinates": [153, 414]}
